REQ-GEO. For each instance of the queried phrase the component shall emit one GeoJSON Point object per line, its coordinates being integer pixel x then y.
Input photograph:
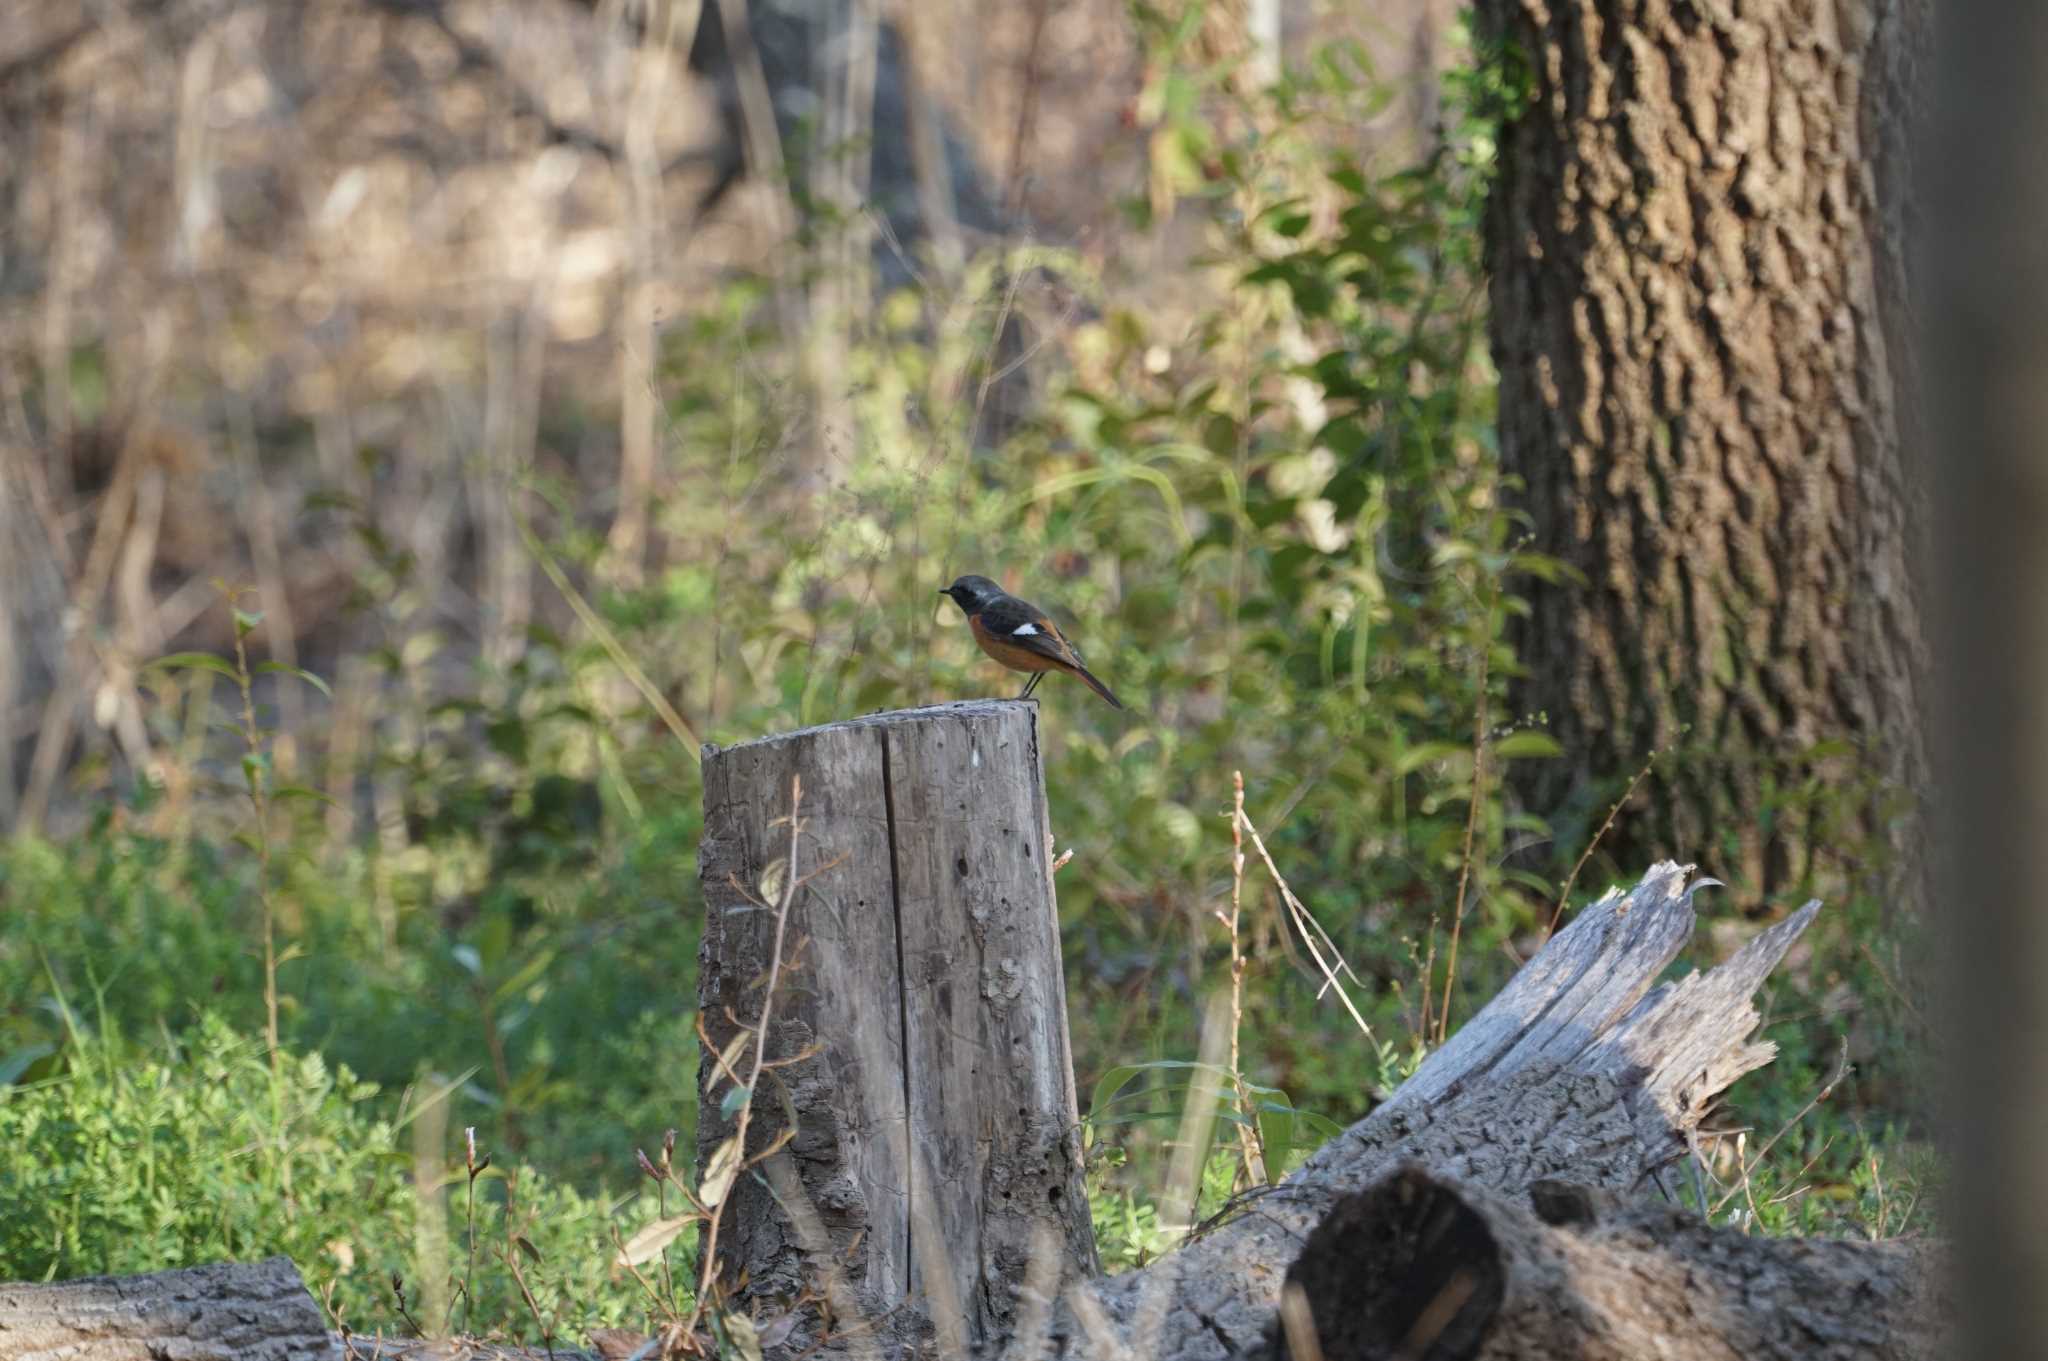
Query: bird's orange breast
{"type": "Point", "coordinates": [1013, 655]}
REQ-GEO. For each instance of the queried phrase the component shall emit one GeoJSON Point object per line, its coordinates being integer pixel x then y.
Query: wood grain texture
{"type": "Point", "coordinates": [937, 1131]}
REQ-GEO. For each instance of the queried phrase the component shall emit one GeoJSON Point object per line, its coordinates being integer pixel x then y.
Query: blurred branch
{"type": "Point", "coordinates": [477, 56]}
{"type": "Point", "coordinates": [683, 730]}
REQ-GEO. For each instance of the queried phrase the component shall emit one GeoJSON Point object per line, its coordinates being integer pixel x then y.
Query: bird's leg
{"type": "Point", "coordinates": [1031, 685]}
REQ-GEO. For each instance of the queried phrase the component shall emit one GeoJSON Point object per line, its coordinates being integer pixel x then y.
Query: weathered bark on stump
{"type": "Point", "coordinates": [1422, 1267]}
{"type": "Point", "coordinates": [936, 1135]}
{"type": "Point", "coordinates": [1579, 1070]}
{"type": "Point", "coordinates": [1697, 250]}
{"type": "Point", "coordinates": [228, 1311]}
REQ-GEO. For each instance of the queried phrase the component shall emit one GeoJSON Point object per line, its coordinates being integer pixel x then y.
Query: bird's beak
{"type": "Point", "coordinates": [942, 590]}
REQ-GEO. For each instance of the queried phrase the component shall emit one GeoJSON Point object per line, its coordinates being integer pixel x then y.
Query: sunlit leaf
{"type": "Point", "coordinates": [647, 1244]}
{"type": "Point", "coordinates": [719, 1171]}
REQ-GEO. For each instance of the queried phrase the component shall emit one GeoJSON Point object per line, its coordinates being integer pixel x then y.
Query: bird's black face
{"type": "Point", "coordinates": [970, 593]}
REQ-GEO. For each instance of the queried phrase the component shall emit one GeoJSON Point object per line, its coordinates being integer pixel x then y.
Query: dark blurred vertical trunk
{"type": "Point", "coordinates": [1698, 249]}
{"type": "Point", "coordinates": [804, 53]}
{"type": "Point", "coordinates": [1990, 360]}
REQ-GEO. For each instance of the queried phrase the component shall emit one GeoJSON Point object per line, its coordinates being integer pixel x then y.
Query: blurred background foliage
{"type": "Point", "coordinates": [423, 357]}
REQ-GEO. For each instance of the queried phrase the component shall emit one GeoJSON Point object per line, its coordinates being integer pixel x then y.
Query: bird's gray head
{"type": "Point", "coordinates": [970, 593]}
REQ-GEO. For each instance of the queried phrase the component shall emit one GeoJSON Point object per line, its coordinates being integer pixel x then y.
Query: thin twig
{"type": "Point", "coordinates": [790, 882]}
{"type": "Point", "coordinates": [1841, 1071]}
{"type": "Point", "coordinates": [1247, 1130]}
{"type": "Point", "coordinates": [1587, 854]}
{"type": "Point", "coordinates": [1443, 1022]}
{"type": "Point", "coordinates": [1310, 930]}
{"type": "Point", "coordinates": [683, 730]}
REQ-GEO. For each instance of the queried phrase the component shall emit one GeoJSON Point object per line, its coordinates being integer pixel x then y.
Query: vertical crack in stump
{"type": "Point", "coordinates": [902, 1017]}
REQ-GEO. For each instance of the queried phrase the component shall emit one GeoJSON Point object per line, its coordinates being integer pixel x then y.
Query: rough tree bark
{"type": "Point", "coordinates": [224, 1312]}
{"type": "Point", "coordinates": [1697, 241]}
{"type": "Point", "coordinates": [936, 1139]}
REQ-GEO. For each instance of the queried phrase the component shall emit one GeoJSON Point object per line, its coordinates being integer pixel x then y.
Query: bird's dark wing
{"type": "Point", "coordinates": [1025, 625]}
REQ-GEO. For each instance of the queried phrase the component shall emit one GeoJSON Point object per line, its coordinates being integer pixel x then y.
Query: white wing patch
{"type": "Point", "coordinates": [1024, 631]}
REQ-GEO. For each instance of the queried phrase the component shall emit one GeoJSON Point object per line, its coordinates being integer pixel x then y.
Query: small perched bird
{"type": "Point", "coordinates": [1018, 634]}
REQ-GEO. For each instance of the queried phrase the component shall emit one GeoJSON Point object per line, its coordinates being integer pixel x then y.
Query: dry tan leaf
{"type": "Point", "coordinates": [647, 1244]}
{"type": "Point", "coordinates": [719, 1171]}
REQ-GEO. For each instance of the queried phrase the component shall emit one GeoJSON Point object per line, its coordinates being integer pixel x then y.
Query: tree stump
{"type": "Point", "coordinates": [919, 1035]}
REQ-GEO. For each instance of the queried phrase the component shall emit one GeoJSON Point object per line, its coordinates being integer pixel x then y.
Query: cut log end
{"type": "Point", "coordinates": [1405, 1269]}
{"type": "Point", "coordinates": [1422, 1268]}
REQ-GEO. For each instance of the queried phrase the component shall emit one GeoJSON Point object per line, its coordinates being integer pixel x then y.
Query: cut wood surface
{"type": "Point", "coordinates": [936, 1133]}
{"type": "Point", "coordinates": [1583, 1068]}
{"type": "Point", "coordinates": [1421, 1267]}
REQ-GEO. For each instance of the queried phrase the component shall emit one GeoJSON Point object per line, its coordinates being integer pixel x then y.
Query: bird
{"type": "Point", "coordinates": [1019, 635]}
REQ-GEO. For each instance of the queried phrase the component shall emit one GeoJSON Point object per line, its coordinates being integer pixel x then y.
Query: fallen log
{"type": "Point", "coordinates": [228, 1311]}
{"type": "Point", "coordinates": [1583, 1070]}
{"type": "Point", "coordinates": [1422, 1267]}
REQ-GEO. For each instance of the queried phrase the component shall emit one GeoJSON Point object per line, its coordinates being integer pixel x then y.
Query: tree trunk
{"type": "Point", "coordinates": [804, 59]}
{"type": "Point", "coordinates": [1697, 246]}
{"type": "Point", "coordinates": [1420, 1267]}
{"type": "Point", "coordinates": [920, 1037]}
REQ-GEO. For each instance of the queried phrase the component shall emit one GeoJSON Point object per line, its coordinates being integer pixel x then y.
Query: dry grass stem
{"type": "Point", "coordinates": [1247, 1131]}
{"type": "Point", "coordinates": [1443, 1022]}
{"type": "Point", "coordinates": [1749, 1168]}
{"type": "Point", "coordinates": [1564, 894]}
{"type": "Point", "coordinates": [1311, 931]}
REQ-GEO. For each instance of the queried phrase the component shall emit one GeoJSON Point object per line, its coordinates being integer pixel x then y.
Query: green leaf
{"type": "Point", "coordinates": [524, 977]}
{"type": "Point", "coordinates": [246, 622]}
{"type": "Point", "coordinates": [729, 1106]}
{"type": "Point", "coordinates": [299, 671]}
{"type": "Point", "coordinates": [1276, 1136]}
{"type": "Point", "coordinates": [1116, 1079]}
{"type": "Point", "coordinates": [194, 661]}
{"type": "Point", "coordinates": [1414, 758]}
{"type": "Point", "coordinates": [19, 1062]}
{"type": "Point", "coordinates": [1528, 744]}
